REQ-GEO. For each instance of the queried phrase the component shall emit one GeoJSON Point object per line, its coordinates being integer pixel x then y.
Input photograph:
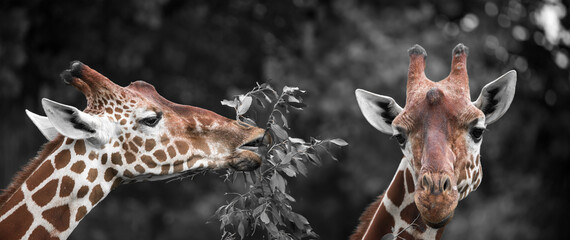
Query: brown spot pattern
{"type": "Point", "coordinates": [149, 145]}
{"type": "Point", "coordinates": [160, 155]}
{"type": "Point", "coordinates": [116, 159]}
{"type": "Point", "coordinates": [200, 143]}
{"type": "Point", "coordinates": [128, 174]}
{"type": "Point", "coordinates": [133, 147]}
{"type": "Point", "coordinates": [178, 166]}
{"type": "Point", "coordinates": [409, 213]}
{"type": "Point", "coordinates": [397, 189]}
{"type": "Point", "coordinates": [92, 175]}
{"type": "Point", "coordinates": [409, 181]}
{"type": "Point", "coordinates": [104, 159]}
{"type": "Point", "coordinates": [164, 169]}
{"type": "Point", "coordinates": [43, 172]}
{"type": "Point", "coordinates": [96, 195]}
{"type": "Point", "coordinates": [182, 147]}
{"type": "Point", "coordinates": [82, 191]}
{"type": "Point", "coordinates": [58, 217]}
{"type": "Point", "coordinates": [164, 139]}
{"type": "Point", "coordinates": [171, 151]}
{"type": "Point", "coordinates": [138, 141]}
{"type": "Point", "coordinates": [40, 233]}
{"type": "Point", "coordinates": [129, 157]}
{"type": "Point", "coordinates": [92, 155]}
{"type": "Point", "coordinates": [148, 161]}
{"type": "Point", "coordinates": [66, 186]}
{"type": "Point", "coordinates": [110, 173]}
{"type": "Point", "coordinates": [62, 159]}
{"type": "Point", "coordinates": [45, 194]}
{"type": "Point", "coordinates": [79, 147]}
{"type": "Point", "coordinates": [78, 167]}
{"type": "Point", "coordinates": [382, 224]}
{"type": "Point", "coordinates": [81, 211]}
{"type": "Point", "coordinates": [16, 225]}
{"type": "Point", "coordinates": [116, 183]}
{"type": "Point", "coordinates": [139, 168]}
{"type": "Point", "coordinates": [16, 198]}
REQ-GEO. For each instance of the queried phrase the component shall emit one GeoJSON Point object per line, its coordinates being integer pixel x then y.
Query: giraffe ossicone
{"type": "Point", "coordinates": [440, 132]}
{"type": "Point", "coordinates": [125, 134]}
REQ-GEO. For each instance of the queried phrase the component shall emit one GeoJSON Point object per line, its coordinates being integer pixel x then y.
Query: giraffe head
{"type": "Point", "coordinates": [143, 136]}
{"type": "Point", "coordinates": [440, 130]}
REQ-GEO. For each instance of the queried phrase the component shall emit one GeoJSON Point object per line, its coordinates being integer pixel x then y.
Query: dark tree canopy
{"type": "Point", "coordinates": [200, 52]}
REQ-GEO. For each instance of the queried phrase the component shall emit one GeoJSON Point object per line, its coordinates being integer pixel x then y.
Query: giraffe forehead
{"type": "Point", "coordinates": [437, 101]}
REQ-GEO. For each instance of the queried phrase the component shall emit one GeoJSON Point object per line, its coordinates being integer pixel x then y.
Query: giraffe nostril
{"type": "Point", "coordinates": [426, 183]}
{"type": "Point", "coordinates": [446, 184]}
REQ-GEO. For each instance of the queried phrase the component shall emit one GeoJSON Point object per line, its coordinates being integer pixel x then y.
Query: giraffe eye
{"type": "Point", "coordinates": [151, 121]}
{"type": "Point", "coordinates": [401, 139]}
{"type": "Point", "coordinates": [477, 133]}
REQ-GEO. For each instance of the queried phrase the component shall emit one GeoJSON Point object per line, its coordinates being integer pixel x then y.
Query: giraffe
{"type": "Point", "coordinates": [125, 134]}
{"type": "Point", "coordinates": [439, 131]}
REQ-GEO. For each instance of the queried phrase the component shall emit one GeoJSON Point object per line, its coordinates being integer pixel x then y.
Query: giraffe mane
{"type": "Point", "coordinates": [366, 218]}
{"type": "Point", "coordinates": [29, 168]}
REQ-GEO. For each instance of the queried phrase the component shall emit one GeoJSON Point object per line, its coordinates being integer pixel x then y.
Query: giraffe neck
{"type": "Point", "coordinates": [395, 215]}
{"type": "Point", "coordinates": [66, 181]}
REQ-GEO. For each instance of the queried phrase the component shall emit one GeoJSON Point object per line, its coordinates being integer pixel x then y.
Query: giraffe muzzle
{"type": "Point", "coordinates": [249, 155]}
{"type": "Point", "coordinates": [436, 198]}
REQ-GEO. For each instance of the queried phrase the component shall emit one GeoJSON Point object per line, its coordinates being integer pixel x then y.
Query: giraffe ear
{"type": "Point", "coordinates": [496, 96]}
{"type": "Point", "coordinates": [379, 110]}
{"type": "Point", "coordinates": [69, 121]}
{"type": "Point", "coordinates": [44, 125]}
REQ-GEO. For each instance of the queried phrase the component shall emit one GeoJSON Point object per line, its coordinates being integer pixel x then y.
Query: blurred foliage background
{"type": "Point", "coordinates": [200, 52]}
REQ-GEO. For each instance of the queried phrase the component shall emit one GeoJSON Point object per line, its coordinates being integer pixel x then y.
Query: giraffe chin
{"type": "Point", "coordinates": [437, 209]}
{"type": "Point", "coordinates": [440, 224]}
{"type": "Point", "coordinates": [245, 160]}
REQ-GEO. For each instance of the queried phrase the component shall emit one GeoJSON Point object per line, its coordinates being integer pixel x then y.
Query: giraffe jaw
{"type": "Point", "coordinates": [249, 155]}
{"type": "Point", "coordinates": [440, 224]}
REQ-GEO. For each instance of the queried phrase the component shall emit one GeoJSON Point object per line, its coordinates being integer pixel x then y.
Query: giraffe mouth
{"type": "Point", "coordinates": [440, 224]}
{"type": "Point", "coordinates": [258, 144]}
{"type": "Point", "coordinates": [249, 155]}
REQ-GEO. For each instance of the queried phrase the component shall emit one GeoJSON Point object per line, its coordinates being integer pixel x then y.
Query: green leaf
{"type": "Point", "coordinates": [339, 142]}
{"type": "Point", "coordinates": [244, 105]}
{"type": "Point", "coordinates": [279, 132]}
{"type": "Point", "coordinates": [258, 210]}
{"type": "Point", "coordinates": [315, 158]}
{"type": "Point", "coordinates": [280, 154]}
{"type": "Point", "coordinates": [294, 102]}
{"type": "Point", "coordinates": [292, 90]}
{"type": "Point", "coordinates": [277, 182]}
{"type": "Point", "coordinates": [264, 218]}
{"type": "Point", "coordinates": [301, 167]}
{"type": "Point", "coordinates": [289, 172]}
{"type": "Point", "coordinates": [241, 230]}
{"type": "Point", "coordinates": [296, 140]}
{"type": "Point", "coordinates": [287, 158]}
{"type": "Point", "coordinates": [229, 103]}
{"type": "Point", "coordinates": [259, 102]}
{"type": "Point", "coordinates": [283, 119]}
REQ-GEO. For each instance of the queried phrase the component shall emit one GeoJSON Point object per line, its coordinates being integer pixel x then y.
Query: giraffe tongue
{"type": "Point", "coordinates": [252, 145]}
{"type": "Point", "coordinates": [256, 144]}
